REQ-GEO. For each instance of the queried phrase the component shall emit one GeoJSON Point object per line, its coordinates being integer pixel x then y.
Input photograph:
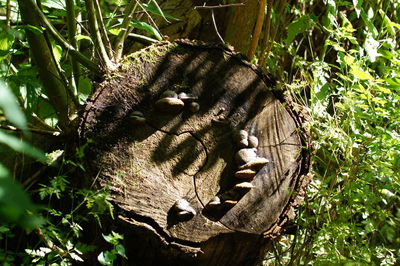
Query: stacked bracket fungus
{"type": "Point", "coordinates": [202, 159]}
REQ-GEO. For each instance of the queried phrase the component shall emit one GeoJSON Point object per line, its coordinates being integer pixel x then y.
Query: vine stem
{"type": "Point", "coordinates": [119, 41]}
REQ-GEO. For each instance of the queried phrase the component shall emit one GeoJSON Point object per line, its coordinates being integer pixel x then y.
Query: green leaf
{"type": "Point", "coordinates": [21, 146]}
{"type": "Point", "coordinates": [120, 250]}
{"type": "Point", "coordinates": [15, 204]}
{"type": "Point", "coordinates": [297, 27]}
{"type": "Point", "coordinates": [357, 6]}
{"type": "Point", "coordinates": [387, 22]}
{"type": "Point", "coordinates": [361, 74]}
{"type": "Point", "coordinates": [81, 37]}
{"type": "Point", "coordinates": [146, 27]}
{"type": "Point", "coordinates": [156, 10]}
{"type": "Point", "coordinates": [11, 108]}
{"type": "Point", "coordinates": [106, 258]}
{"type": "Point", "coordinates": [367, 18]}
{"type": "Point", "coordinates": [6, 40]}
{"type": "Point", "coordinates": [108, 238]}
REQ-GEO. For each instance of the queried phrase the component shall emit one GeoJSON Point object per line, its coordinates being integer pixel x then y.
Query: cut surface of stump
{"type": "Point", "coordinates": [187, 152]}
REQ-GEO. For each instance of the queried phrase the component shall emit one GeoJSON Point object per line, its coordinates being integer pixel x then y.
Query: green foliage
{"type": "Point", "coordinates": [351, 214]}
{"type": "Point", "coordinates": [108, 257]}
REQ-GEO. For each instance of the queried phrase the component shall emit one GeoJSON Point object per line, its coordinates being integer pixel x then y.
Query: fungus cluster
{"type": "Point", "coordinates": [248, 165]}
{"type": "Point", "coordinates": [171, 102]}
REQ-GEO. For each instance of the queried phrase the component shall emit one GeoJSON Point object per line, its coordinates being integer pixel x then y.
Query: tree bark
{"type": "Point", "coordinates": [187, 154]}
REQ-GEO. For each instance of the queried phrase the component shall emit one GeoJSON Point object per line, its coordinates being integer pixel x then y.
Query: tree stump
{"type": "Point", "coordinates": [164, 164]}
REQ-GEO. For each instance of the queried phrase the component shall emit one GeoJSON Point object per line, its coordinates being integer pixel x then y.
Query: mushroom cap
{"type": "Point", "coordinates": [194, 107]}
{"type": "Point", "coordinates": [255, 164]}
{"type": "Point", "coordinates": [169, 94]}
{"type": "Point", "coordinates": [169, 104]}
{"type": "Point", "coordinates": [136, 113]}
{"type": "Point", "coordinates": [253, 141]}
{"type": "Point", "coordinates": [138, 120]}
{"type": "Point", "coordinates": [243, 134]}
{"type": "Point", "coordinates": [215, 201]}
{"type": "Point", "coordinates": [186, 97]}
{"type": "Point", "coordinates": [230, 203]}
{"type": "Point", "coordinates": [243, 143]}
{"type": "Point", "coordinates": [245, 173]}
{"type": "Point", "coordinates": [244, 156]}
{"type": "Point", "coordinates": [244, 186]}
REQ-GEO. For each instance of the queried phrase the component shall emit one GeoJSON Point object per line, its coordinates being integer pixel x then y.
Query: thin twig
{"type": "Point", "coordinates": [267, 31]}
{"type": "Point", "coordinates": [31, 129]}
{"type": "Point", "coordinates": [257, 30]}
{"type": "Point", "coordinates": [219, 6]}
{"type": "Point", "coordinates": [280, 12]}
{"type": "Point", "coordinates": [103, 30]}
{"type": "Point", "coordinates": [95, 32]}
{"type": "Point", "coordinates": [215, 26]}
{"type": "Point", "coordinates": [72, 29]}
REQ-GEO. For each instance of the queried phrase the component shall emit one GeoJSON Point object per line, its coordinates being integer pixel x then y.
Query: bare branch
{"type": "Point", "coordinates": [219, 6]}
{"type": "Point", "coordinates": [215, 26]}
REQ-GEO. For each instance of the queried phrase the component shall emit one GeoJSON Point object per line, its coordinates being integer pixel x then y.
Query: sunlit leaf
{"type": "Point", "coordinates": [357, 6]}
{"type": "Point", "coordinates": [361, 74]}
{"type": "Point", "coordinates": [144, 26]}
{"type": "Point", "coordinates": [10, 106]}
{"type": "Point", "coordinates": [6, 40]}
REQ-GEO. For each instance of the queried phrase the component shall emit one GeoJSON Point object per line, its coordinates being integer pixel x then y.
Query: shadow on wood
{"type": "Point", "coordinates": [189, 155]}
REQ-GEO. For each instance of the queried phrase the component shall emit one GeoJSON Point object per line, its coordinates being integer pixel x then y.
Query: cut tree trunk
{"type": "Point", "coordinates": [181, 155]}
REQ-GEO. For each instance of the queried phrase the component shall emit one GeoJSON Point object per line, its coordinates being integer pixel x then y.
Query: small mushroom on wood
{"type": "Point", "coordinates": [194, 107]}
{"type": "Point", "coordinates": [243, 186]}
{"type": "Point", "coordinates": [137, 117]}
{"type": "Point", "coordinates": [230, 203]}
{"type": "Point", "coordinates": [246, 155]}
{"type": "Point", "coordinates": [215, 201]}
{"type": "Point", "coordinates": [169, 94]}
{"type": "Point", "coordinates": [255, 164]}
{"type": "Point", "coordinates": [169, 104]}
{"type": "Point", "coordinates": [187, 97]}
{"type": "Point", "coordinates": [245, 173]}
{"type": "Point", "coordinates": [183, 209]}
{"type": "Point", "coordinates": [252, 141]}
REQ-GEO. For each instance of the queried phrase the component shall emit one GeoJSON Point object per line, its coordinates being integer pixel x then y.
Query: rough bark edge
{"type": "Point", "coordinates": [289, 213]}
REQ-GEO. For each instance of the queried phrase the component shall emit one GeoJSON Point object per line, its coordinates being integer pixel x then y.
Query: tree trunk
{"type": "Point", "coordinates": [183, 192]}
